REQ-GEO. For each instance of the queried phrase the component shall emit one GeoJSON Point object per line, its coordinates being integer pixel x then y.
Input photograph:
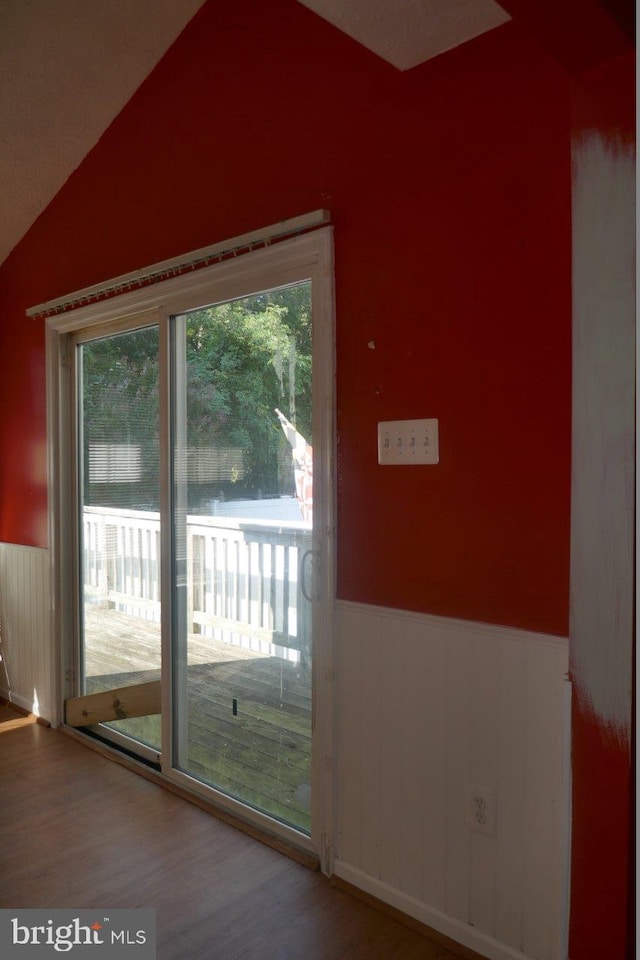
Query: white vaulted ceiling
{"type": "Point", "coordinates": [68, 67]}
{"type": "Point", "coordinates": [405, 33]}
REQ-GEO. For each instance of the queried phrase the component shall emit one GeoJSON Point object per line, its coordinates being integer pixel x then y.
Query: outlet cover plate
{"type": "Point", "coordinates": [480, 813]}
{"type": "Point", "coordinates": [408, 442]}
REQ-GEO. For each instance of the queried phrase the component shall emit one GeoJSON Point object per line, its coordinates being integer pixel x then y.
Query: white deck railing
{"type": "Point", "coordinates": [245, 577]}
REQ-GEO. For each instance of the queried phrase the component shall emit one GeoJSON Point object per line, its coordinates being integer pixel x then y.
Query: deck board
{"type": "Point", "coordinates": [261, 753]}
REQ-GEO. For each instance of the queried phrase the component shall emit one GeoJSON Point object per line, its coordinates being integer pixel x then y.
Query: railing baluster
{"type": "Point", "coordinates": [236, 578]}
{"type": "Point", "coordinates": [285, 591]}
{"type": "Point", "coordinates": [272, 586]}
{"type": "Point", "coordinates": [211, 574]}
{"type": "Point", "coordinates": [244, 581]}
{"type": "Point", "coordinates": [261, 576]}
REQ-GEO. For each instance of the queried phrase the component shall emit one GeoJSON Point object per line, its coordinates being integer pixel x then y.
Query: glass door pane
{"type": "Point", "coordinates": [242, 514]}
{"type": "Point", "coordinates": [118, 442]}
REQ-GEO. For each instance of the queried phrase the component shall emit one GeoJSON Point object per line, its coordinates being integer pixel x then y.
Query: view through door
{"type": "Point", "coordinates": [119, 555]}
{"type": "Point", "coordinates": [242, 515]}
{"type": "Point", "coordinates": [241, 520]}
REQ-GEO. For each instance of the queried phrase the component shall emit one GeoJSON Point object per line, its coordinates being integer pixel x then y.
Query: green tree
{"type": "Point", "coordinates": [120, 409]}
{"type": "Point", "coordinates": [244, 358]}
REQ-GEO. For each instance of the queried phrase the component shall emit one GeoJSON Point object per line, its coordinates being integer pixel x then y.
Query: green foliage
{"type": "Point", "coordinates": [244, 358]}
{"type": "Point", "coordinates": [120, 404]}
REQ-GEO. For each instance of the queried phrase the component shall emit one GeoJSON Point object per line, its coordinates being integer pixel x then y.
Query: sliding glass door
{"type": "Point", "coordinates": [118, 446]}
{"type": "Point", "coordinates": [242, 516]}
{"type": "Point", "coordinates": [196, 479]}
{"type": "Point", "coordinates": [239, 512]}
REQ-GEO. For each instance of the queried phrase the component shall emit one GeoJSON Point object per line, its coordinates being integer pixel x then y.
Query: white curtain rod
{"type": "Point", "coordinates": [188, 261]}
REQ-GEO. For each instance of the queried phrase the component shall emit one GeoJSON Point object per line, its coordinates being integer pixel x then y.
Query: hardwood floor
{"type": "Point", "coordinates": [80, 831]}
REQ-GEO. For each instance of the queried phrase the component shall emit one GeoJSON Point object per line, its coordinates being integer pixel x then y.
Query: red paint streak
{"type": "Point", "coordinates": [600, 843]}
{"type": "Point", "coordinates": [603, 99]}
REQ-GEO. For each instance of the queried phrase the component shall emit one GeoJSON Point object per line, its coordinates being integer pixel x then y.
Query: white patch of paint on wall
{"type": "Point", "coordinates": [602, 510]}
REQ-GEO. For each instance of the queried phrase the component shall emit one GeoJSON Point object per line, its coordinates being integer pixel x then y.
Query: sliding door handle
{"type": "Point", "coordinates": [308, 560]}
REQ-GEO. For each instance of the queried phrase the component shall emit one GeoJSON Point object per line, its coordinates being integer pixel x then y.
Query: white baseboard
{"type": "Point", "coordinates": [451, 927]}
{"type": "Point", "coordinates": [19, 701]}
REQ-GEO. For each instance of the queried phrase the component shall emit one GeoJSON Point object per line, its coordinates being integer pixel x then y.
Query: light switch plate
{"type": "Point", "coordinates": [408, 442]}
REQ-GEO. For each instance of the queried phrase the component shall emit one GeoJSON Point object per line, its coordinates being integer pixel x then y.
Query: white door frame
{"type": "Point", "coordinates": [307, 256]}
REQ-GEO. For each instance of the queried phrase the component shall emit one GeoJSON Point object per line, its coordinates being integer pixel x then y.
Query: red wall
{"type": "Point", "coordinates": [602, 878]}
{"type": "Point", "coordinates": [449, 188]}
{"type": "Point", "coordinates": [23, 463]}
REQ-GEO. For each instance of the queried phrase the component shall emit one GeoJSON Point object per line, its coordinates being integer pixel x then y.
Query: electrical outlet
{"type": "Point", "coordinates": [408, 442]}
{"type": "Point", "coordinates": [481, 809]}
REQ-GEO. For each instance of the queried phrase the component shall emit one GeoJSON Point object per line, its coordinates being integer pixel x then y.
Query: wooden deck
{"type": "Point", "coordinates": [248, 717]}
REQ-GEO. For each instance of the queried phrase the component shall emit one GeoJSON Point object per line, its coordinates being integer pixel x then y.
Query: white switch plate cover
{"type": "Point", "coordinates": [408, 441]}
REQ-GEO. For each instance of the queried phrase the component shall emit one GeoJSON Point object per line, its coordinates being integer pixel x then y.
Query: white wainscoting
{"type": "Point", "coordinates": [27, 670]}
{"type": "Point", "coordinates": [427, 707]}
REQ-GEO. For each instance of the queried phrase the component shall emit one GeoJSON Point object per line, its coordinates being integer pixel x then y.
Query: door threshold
{"type": "Point", "coordinates": [115, 741]}
{"type": "Point", "coordinates": [151, 772]}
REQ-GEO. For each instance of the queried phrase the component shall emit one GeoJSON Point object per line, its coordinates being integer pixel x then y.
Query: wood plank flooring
{"type": "Point", "coordinates": [80, 831]}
